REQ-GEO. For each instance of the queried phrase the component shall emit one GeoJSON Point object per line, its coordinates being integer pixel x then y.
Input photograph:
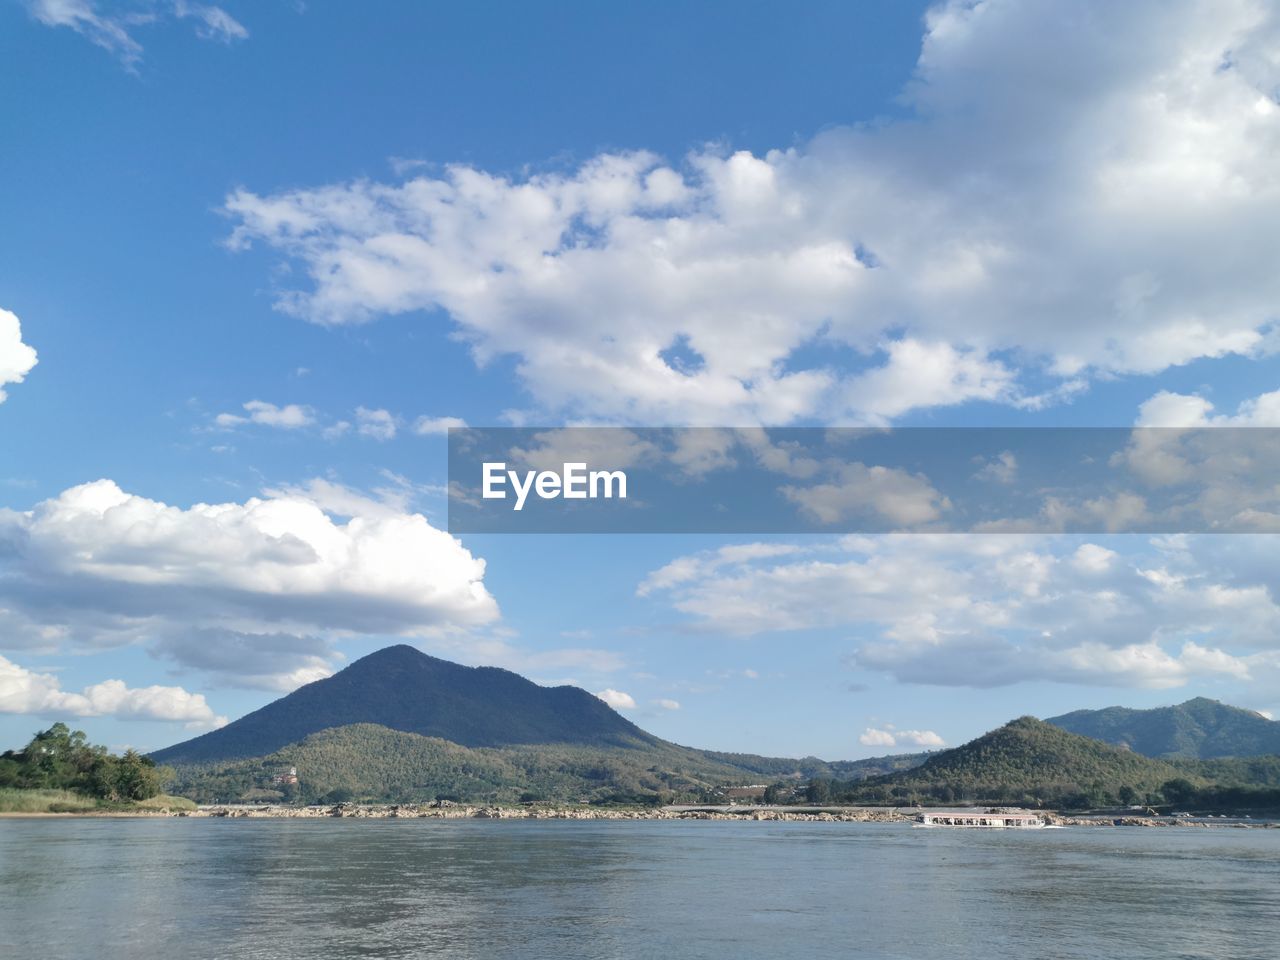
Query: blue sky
{"type": "Point", "coordinates": [264, 251]}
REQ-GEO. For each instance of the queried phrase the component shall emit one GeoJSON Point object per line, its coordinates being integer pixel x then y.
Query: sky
{"type": "Point", "coordinates": [259, 257]}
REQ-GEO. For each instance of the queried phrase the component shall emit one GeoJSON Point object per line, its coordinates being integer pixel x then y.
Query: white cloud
{"type": "Point", "coordinates": [429, 426]}
{"type": "Point", "coordinates": [919, 374]}
{"type": "Point", "coordinates": [16, 357]}
{"type": "Point", "coordinates": [336, 430]}
{"type": "Point", "coordinates": [992, 610]}
{"type": "Point", "coordinates": [1226, 469]}
{"type": "Point", "coordinates": [876, 493]}
{"type": "Point", "coordinates": [1075, 195]}
{"type": "Point", "coordinates": [668, 704]}
{"type": "Point", "coordinates": [213, 23]}
{"type": "Point", "coordinates": [1091, 558]}
{"type": "Point", "coordinates": [110, 27]}
{"type": "Point", "coordinates": [921, 738]}
{"type": "Point", "coordinates": [617, 699]}
{"type": "Point", "coordinates": [24, 691]}
{"type": "Point", "coordinates": [97, 567]}
{"type": "Point", "coordinates": [872, 737]}
{"type": "Point", "coordinates": [1166, 409]}
{"type": "Point", "coordinates": [378, 424]}
{"type": "Point", "coordinates": [1002, 469]}
{"type": "Point", "coordinates": [291, 416]}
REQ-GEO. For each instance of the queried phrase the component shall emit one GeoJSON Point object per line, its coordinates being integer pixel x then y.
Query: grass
{"type": "Point", "coordinates": [44, 801]}
{"type": "Point", "coordinates": [64, 801]}
{"type": "Point", "coordinates": [162, 802]}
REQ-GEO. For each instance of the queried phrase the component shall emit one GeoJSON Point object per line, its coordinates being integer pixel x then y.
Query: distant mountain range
{"type": "Point", "coordinates": [1200, 729]}
{"type": "Point", "coordinates": [401, 725]}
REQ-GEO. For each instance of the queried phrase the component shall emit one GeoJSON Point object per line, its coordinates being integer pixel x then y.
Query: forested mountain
{"type": "Point", "coordinates": [1200, 728]}
{"type": "Point", "coordinates": [370, 762]}
{"type": "Point", "coordinates": [1027, 762]}
{"type": "Point", "coordinates": [399, 725]}
{"type": "Point", "coordinates": [404, 689]}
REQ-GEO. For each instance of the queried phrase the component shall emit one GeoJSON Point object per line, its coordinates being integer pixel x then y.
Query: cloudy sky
{"type": "Point", "coordinates": [259, 257]}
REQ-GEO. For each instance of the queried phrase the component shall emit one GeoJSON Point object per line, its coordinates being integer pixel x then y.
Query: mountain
{"type": "Point", "coordinates": [401, 725]}
{"type": "Point", "coordinates": [403, 689]}
{"type": "Point", "coordinates": [1198, 729]}
{"type": "Point", "coordinates": [1027, 761]}
{"type": "Point", "coordinates": [369, 762]}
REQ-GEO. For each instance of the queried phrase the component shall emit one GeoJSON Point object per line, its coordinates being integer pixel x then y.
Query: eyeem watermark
{"type": "Point", "coordinates": [573, 482]}
{"type": "Point", "coordinates": [1150, 480]}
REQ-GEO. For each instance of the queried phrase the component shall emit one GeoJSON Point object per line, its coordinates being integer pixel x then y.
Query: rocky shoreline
{"type": "Point", "coordinates": [488, 812]}
{"type": "Point", "coordinates": [451, 811]}
{"type": "Point", "coordinates": [485, 812]}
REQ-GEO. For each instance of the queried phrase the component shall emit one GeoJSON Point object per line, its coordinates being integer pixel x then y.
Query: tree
{"type": "Point", "coordinates": [819, 790]}
{"type": "Point", "coordinates": [63, 759]}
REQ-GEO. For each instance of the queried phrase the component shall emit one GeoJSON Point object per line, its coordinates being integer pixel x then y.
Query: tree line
{"type": "Point", "coordinates": [63, 759]}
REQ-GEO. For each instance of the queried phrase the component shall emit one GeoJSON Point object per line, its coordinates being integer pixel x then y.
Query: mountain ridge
{"type": "Point", "coordinates": [1199, 728]}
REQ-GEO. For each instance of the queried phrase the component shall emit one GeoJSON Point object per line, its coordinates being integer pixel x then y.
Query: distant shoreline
{"type": "Point", "coordinates": [829, 814]}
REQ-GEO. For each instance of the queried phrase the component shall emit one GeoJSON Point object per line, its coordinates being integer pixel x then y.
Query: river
{"type": "Point", "coordinates": [559, 890]}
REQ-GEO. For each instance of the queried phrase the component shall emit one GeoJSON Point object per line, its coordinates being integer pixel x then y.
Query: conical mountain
{"type": "Point", "coordinates": [1026, 761]}
{"type": "Point", "coordinates": [404, 689]}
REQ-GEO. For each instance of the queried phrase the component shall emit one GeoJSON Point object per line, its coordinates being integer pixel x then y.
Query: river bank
{"type": "Point", "coordinates": [438, 811]}
{"type": "Point", "coordinates": [756, 814]}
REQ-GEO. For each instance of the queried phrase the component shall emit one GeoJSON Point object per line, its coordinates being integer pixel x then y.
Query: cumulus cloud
{"type": "Point", "coordinates": [617, 699]}
{"type": "Point", "coordinates": [16, 357]}
{"type": "Point", "coordinates": [668, 704]}
{"type": "Point", "coordinates": [25, 691]}
{"type": "Point", "coordinates": [239, 589]}
{"type": "Point", "coordinates": [920, 738]}
{"type": "Point", "coordinates": [877, 738]}
{"type": "Point", "coordinates": [1075, 195]}
{"type": "Point", "coordinates": [991, 610]}
{"type": "Point", "coordinates": [890, 737]}
{"type": "Point", "coordinates": [1167, 409]}
{"type": "Point", "coordinates": [292, 416]}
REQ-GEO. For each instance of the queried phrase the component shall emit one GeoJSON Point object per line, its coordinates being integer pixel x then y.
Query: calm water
{"type": "Point", "coordinates": [534, 890]}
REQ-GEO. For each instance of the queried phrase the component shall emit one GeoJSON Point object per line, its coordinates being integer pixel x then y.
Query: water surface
{"type": "Point", "coordinates": [554, 890]}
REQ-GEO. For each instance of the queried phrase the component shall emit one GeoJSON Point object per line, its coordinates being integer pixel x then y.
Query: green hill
{"type": "Point", "coordinates": [400, 725]}
{"type": "Point", "coordinates": [1026, 762]}
{"type": "Point", "coordinates": [370, 762]}
{"type": "Point", "coordinates": [1200, 729]}
{"type": "Point", "coordinates": [404, 689]}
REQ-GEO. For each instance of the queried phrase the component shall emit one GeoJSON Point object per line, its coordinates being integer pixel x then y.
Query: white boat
{"type": "Point", "coordinates": [990, 820]}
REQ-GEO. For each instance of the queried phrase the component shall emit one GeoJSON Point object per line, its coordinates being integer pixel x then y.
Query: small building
{"type": "Point", "coordinates": [990, 819]}
{"type": "Point", "coordinates": [290, 778]}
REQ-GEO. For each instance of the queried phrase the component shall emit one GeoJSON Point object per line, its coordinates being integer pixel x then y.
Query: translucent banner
{"type": "Point", "coordinates": [850, 480]}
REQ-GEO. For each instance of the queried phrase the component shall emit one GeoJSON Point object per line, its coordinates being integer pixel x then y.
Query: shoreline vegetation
{"type": "Point", "coordinates": [166, 806]}
{"type": "Point", "coordinates": [66, 802]}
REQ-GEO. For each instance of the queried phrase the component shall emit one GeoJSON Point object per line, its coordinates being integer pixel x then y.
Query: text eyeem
{"type": "Point", "coordinates": [574, 482]}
